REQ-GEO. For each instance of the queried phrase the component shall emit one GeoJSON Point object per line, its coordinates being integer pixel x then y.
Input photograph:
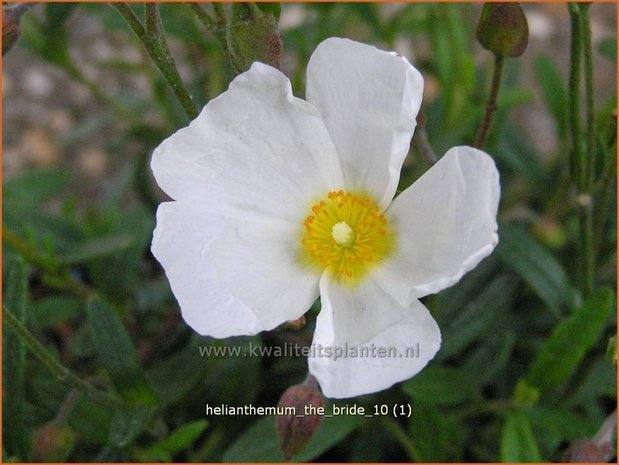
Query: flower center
{"type": "Point", "coordinates": [346, 235]}
{"type": "Point", "coordinates": [341, 233]}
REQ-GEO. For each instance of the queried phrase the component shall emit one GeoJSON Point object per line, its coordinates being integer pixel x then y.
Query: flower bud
{"type": "Point", "coordinates": [295, 325]}
{"type": "Point", "coordinates": [293, 431]}
{"type": "Point", "coordinates": [503, 29]}
{"type": "Point", "coordinates": [253, 36]}
{"type": "Point", "coordinates": [587, 451]}
{"type": "Point", "coordinates": [52, 443]}
{"type": "Point", "coordinates": [550, 233]}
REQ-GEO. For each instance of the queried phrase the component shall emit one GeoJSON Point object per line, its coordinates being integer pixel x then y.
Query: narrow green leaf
{"type": "Point", "coordinates": [54, 310]}
{"type": "Point", "coordinates": [536, 266]}
{"type": "Point", "coordinates": [183, 437]}
{"type": "Point", "coordinates": [260, 444]}
{"type": "Point", "coordinates": [569, 342]}
{"type": "Point", "coordinates": [128, 423]}
{"type": "Point", "coordinates": [13, 360]}
{"type": "Point", "coordinates": [117, 353]}
{"type": "Point", "coordinates": [97, 247]}
{"type": "Point", "coordinates": [33, 187]}
{"type": "Point", "coordinates": [92, 420]}
{"type": "Point", "coordinates": [474, 318]}
{"type": "Point", "coordinates": [176, 442]}
{"type": "Point", "coordinates": [442, 386]}
{"type": "Point", "coordinates": [116, 274]}
{"type": "Point", "coordinates": [330, 432]}
{"type": "Point", "coordinates": [256, 444]}
{"type": "Point", "coordinates": [608, 48]}
{"type": "Point", "coordinates": [518, 443]}
{"type": "Point", "coordinates": [436, 436]}
{"type": "Point", "coordinates": [553, 90]}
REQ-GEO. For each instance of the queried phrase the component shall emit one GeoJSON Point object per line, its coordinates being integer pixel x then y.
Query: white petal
{"type": "Point", "coordinates": [369, 100]}
{"type": "Point", "coordinates": [445, 225]}
{"type": "Point", "coordinates": [230, 275]}
{"type": "Point", "coordinates": [403, 339]}
{"type": "Point", "coordinates": [255, 147]}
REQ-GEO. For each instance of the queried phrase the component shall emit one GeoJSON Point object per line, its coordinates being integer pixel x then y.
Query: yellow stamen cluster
{"type": "Point", "coordinates": [346, 234]}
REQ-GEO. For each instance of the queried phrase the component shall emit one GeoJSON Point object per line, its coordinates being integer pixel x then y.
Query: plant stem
{"type": "Point", "coordinates": [581, 163]}
{"type": "Point", "coordinates": [60, 371]}
{"type": "Point", "coordinates": [154, 42]}
{"type": "Point", "coordinates": [26, 249]}
{"type": "Point", "coordinates": [574, 93]}
{"type": "Point", "coordinates": [215, 26]}
{"type": "Point", "coordinates": [491, 106]}
{"type": "Point", "coordinates": [589, 167]}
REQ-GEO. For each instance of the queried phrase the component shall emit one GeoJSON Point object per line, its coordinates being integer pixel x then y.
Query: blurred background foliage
{"type": "Point", "coordinates": [528, 362]}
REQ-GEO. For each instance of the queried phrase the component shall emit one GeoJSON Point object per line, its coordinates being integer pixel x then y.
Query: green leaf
{"type": "Point", "coordinates": [176, 442]}
{"type": "Point", "coordinates": [475, 317]}
{"type": "Point", "coordinates": [91, 419]}
{"type": "Point", "coordinates": [175, 376]}
{"type": "Point", "coordinates": [15, 298]}
{"type": "Point", "coordinates": [569, 342]}
{"type": "Point", "coordinates": [442, 386]}
{"type": "Point", "coordinates": [33, 186]}
{"type": "Point", "coordinates": [608, 48]}
{"type": "Point", "coordinates": [117, 353]}
{"type": "Point", "coordinates": [453, 60]}
{"type": "Point", "coordinates": [127, 424]}
{"type": "Point", "coordinates": [437, 437]}
{"type": "Point", "coordinates": [54, 310]}
{"type": "Point", "coordinates": [536, 266]}
{"type": "Point", "coordinates": [330, 432]}
{"type": "Point", "coordinates": [260, 444]}
{"type": "Point", "coordinates": [518, 443]}
{"type": "Point", "coordinates": [97, 247]}
{"type": "Point", "coordinates": [557, 425]}
{"type": "Point", "coordinates": [553, 90]}
{"type": "Point", "coordinates": [116, 275]}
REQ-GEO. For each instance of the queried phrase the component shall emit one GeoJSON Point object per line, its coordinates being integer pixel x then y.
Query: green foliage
{"type": "Point", "coordinates": [14, 297]}
{"type": "Point", "coordinates": [176, 442]}
{"type": "Point", "coordinates": [518, 442]}
{"type": "Point", "coordinates": [527, 363]}
{"type": "Point", "coordinates": [536, 266]}
{"type": "Point", "coordinates": [117, 353]}
{"type": "Point", "coordinates": [430, 386]}
{"type": "Point", "coordinates": [260, 443]}
{"type": "Point", "coordinates": [553, 90]}
{"type": "Point", "coordinates": [570, 340]}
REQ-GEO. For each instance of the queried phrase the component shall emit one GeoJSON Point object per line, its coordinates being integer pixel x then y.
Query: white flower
{"type": "Point", "coordinates": [278, 200]}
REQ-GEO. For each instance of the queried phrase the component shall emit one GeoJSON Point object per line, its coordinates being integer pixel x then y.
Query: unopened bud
{"type": "Point", "coordinates": [294, 431]}
{"type": "Point", "coordinates": [10, 31]}
{"type": "Point", "coordinates": [295, 325]}
{"type": "Point", "coordinates": [503, 29]}
{"type": "Point", "coordinates": [587, 451]}
{"type": "Point", "coordinates": [52, 443]}
{"type": "Point", "coordinates": [551, 233]}
{"type": "Point", "coordinates": [11, 14]}
{"type": "Point", "coordinates": [253, 36]}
